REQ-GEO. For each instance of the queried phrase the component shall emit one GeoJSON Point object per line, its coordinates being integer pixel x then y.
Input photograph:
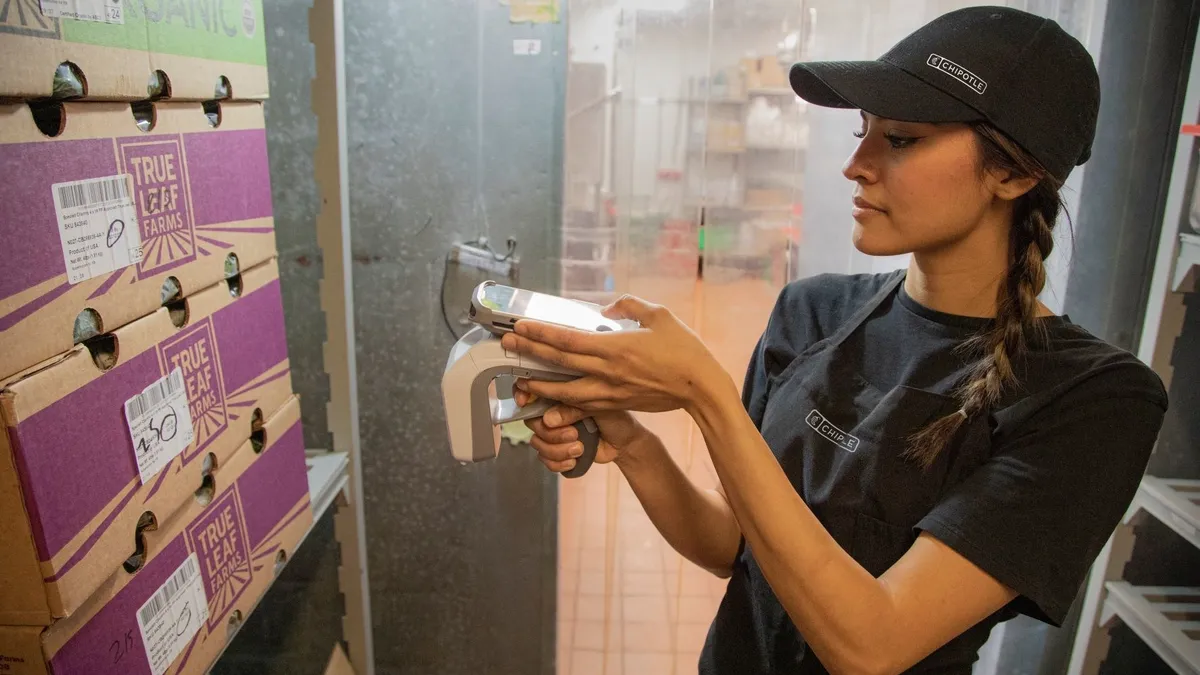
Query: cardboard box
{"type": "Point", "coordinates": [71, 494]}
{"type": "Point", "coordinates": [192, 43]}
{"type": "Point", "coordinates": [764, 73]}
{"type": "Point", "coordinates": [724, 135]}
{"type": "Point", "coordinates": [768, 197]}
{"type": "Point", "coordinates": [259, 513]}
{"type": "Point", "coordinates": [198, 194]}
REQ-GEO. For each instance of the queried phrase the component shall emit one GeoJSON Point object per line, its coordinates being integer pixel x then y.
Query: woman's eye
{"type": "Point", "coordinates": [899, 142]}
{"type": "Point", "coordinates": [859, 134]}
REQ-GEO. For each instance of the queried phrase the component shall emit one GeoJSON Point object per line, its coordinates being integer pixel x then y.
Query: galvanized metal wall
{"type": "Point", "coordinates": [451, 136]}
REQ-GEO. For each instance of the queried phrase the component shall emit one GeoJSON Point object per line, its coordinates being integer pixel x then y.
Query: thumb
{"type": "Point", "coordinates": [631, 307]}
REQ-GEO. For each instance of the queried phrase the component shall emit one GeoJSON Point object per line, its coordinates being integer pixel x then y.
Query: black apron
{"type": "Point", "coordinates": [839, 439]}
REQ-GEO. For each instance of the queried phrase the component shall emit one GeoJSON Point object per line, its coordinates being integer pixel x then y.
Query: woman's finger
{"type": "Point", "coordinates": [556, 452]}
{"type": "Point", "coordinates": [582, 363]}
{"type": "Point", "coordinates": [562, 338]}
{"type": "Point", "coordinates": [559, 467]}
{"type": "Point", "coordinates": [563, 416]}
{"type": "Point", "coordinates": [586, 393]}
{"type": "Point", "coordinates": [552, 434]}
{"type": "Point", "coordinates": [632, 307]}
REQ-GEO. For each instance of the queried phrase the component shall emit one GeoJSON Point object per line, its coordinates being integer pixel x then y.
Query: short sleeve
{"type": "Point", "coordinates": [754, 386]}
{"type": "Point", "coordinates": [1036, 514]}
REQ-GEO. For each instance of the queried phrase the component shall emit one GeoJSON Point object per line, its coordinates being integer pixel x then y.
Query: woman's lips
{"type": "Point", "coordinates": [863, 208]}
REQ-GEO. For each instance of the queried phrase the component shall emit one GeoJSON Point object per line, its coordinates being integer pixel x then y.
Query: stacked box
{"type": "Point", "coordinates": [215, 561]}
{"type": "Point", "coordinates": [192, 50]}
{"type": "Point", "coordinates": [76, 209]}
{"type": "Point", "coordinates": [152, 467]}
{"type": "Point", "coordinates": [72, 493]}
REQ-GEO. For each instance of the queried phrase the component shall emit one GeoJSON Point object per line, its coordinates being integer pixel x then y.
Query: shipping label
{"type": "Point", "coordinates": [160, 424]}
{"type": "Point", "coordinates": [97, 226]}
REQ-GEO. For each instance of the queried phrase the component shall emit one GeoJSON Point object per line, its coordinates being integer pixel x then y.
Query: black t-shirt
{"type": "Point", "coordinates": [1066, 452]}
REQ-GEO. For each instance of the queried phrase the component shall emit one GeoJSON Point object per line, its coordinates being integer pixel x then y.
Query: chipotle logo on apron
{"type": "Point", "coordinates": [827, 429]}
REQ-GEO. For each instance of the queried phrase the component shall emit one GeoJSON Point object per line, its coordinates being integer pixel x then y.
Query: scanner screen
{"type": "Point", "coordinates": [548, 308]}
{"type": "Point", "coordinates": [553, 309]}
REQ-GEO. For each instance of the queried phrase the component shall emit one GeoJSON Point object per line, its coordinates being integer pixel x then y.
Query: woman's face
{"type": "Point", "coordinates": [919, 187]}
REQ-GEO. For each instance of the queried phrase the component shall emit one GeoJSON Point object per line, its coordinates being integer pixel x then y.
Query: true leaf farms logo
{"type": "Point", "coordinates": [160, 192]}
{"type": "Point", "coordinates": [218, 537]}
{"type": "Point", "coordinates": [194, 352]}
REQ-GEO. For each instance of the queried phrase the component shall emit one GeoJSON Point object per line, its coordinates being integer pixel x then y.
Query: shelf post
{"type": "Point", "coordinates": [327, 32]}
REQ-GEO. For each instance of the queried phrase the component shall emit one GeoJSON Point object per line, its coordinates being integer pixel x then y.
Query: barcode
{"type": "Point", "coordinates": [95, 192]}
{"type": "Point", "coordinates": [156, 604]}
{"type": "Point", "coordinates": [138, 405]}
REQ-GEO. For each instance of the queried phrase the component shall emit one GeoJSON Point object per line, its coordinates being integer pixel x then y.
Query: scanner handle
{"type": "Point", "coordinates": [505, 410]}
{"type": "Point", "coordinates": [589, 435]}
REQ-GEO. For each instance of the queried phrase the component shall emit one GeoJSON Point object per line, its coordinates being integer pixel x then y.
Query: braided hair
{"type": "Point", "coordinates": [1015, 328]}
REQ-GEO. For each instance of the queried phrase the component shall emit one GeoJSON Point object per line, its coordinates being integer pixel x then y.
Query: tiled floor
{"type": "Point", "coordinates": [628, 604]}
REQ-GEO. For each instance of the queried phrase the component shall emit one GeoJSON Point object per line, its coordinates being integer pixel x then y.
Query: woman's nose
{"type": "Point", "coordinates": [858, 166]}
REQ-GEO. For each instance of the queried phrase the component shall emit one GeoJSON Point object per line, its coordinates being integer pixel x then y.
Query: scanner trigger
{"type": "Point", "coordinates": [589, 435]}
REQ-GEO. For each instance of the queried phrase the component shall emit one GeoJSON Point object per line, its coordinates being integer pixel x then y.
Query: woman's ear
{"type": "Point", "coordinates": [1008, 187]}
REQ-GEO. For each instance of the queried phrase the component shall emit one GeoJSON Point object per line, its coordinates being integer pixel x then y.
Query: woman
{"type": "Point", "coordinates": [914, 456]}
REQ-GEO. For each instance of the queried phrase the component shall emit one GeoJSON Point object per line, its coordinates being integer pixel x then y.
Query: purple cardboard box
{"type": "Point", "coordinates": [72, 497]}
{"type": "Point", "coordinates": [226, 552]}
{"type": "Point", "coordinates": [78, 209]}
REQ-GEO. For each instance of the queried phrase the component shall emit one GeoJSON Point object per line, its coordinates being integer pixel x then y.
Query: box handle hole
{"type": "Point", "coordinates": [235, 624]}
{"type": "Point", "coordinates": [233, 275]}
{"type": "Point", "coordinates": [69, 81]}
{"type": "Point", "coordinates": [144, 115]}
{"type": "Point", "coordinates": [158, 86]}
{"type": "Point", "coordinates": [208, 484]}
{"type": "Point", "coordinates": [258, 433]}
{"type": "Point", "coordinates": [88, 324]}
{"type": "Point", "coordinates": [147, 523]}
{"type": "Point", "coordinates": [49, 116]}
{"type": "Point", "coordinates": [105, 350]}
{"type": "Point", "coordinates": [172, 298]}
{"type": "Point", "coordinates": [212, 111]}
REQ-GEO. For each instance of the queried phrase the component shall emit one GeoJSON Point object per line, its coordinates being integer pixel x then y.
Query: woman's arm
{"type": "Point", "coordinates": [699, 524]}
{"type": "Point", "coordinates": [854, 622]}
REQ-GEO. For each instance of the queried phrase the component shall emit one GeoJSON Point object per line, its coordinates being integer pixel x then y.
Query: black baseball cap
{"type": "Point", "coordinates": [1018, 71]}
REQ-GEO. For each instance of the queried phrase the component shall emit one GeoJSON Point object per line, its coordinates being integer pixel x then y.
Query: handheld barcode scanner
{"type": "Point", "coordinates": [474, 414]}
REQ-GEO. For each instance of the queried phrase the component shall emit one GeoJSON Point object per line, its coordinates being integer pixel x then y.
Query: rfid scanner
{"type": "Point", "coordinates": [473, 412]}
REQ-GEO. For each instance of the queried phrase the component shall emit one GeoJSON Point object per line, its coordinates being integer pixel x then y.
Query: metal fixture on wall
{"type": "Point", "coordinates": [477, 254]}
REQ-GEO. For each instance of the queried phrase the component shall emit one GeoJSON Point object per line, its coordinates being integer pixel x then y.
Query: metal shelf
{"type": "Point", "coordinates": [328, 473]}
{"type": "Point", "coordinates": [1166, 618]}
{"type": "Point", "coordinates": [1187, 257]}
{"type": "Point", "coordinates": [1174, 501]}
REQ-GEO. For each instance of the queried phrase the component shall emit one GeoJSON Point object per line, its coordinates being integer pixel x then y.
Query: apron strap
{"type": "Point", "coordinates": [869, 308]}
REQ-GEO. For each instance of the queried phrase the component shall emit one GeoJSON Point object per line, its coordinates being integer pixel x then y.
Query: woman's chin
{"type": "Point", "coordinates": [871, 243]}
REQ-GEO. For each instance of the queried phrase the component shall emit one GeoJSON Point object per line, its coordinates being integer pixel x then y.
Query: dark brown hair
{"type": "Point", "coordinates": [1016, 327]}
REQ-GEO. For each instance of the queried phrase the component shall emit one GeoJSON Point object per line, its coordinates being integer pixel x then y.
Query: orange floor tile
{"type": "Point", "coordinates": [628, 604]}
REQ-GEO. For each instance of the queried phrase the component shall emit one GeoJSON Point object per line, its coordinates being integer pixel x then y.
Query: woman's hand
{"type": "Point", "coordinates": [662, 366]}
{"type": "Point", "coordinates": [557, 441]}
